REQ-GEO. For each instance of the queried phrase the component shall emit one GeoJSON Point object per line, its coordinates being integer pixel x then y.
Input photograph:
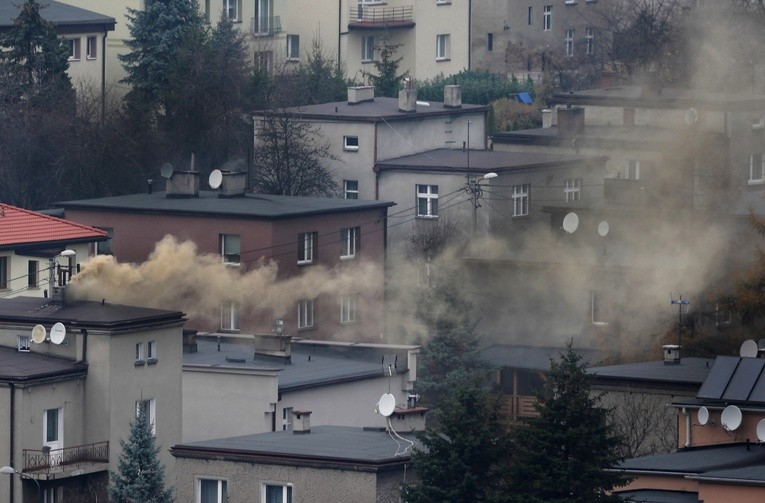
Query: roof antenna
{"type": "Point", "coordinates": [680, 303]}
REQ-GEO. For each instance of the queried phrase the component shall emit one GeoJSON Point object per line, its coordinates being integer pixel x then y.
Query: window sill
{"type": "Point", "coordinates": [351, 149]}
{"type": "Point", "coordinates": [428, 217]}
{"type": "Point", "coordinates": [367, 61]}
{"type": "Point", "coordinates": [347, 257]}
{"type": "Point", "coordinates": [756, 182]}
{"type": "Point", "coordinates": [229, 330]}
{"type": "Point", "coordinates": [344, 323]}
{"type": "Point", "coordinates": [90, 58]}
{"type": "Point", "coordinates": [446, 2]}
{"type": "Point", "coordinates": [305, 262]}
{"type": "Point", "coordinates": [139, 363]}
{"type": "Point", "coordinates": [600, 323]}
{"type": "Point", "coordinates": [73, 59]}
{"type": "Point", "coordinates": [306, 329]}
{"type": "Point", "coordinates": [233, 264]}
{"type": "Point", "coordinates": [520, 217]}
{"type": "Point", "coordinates": [151, 361]}
{"type": "Point", "coordinates": [293, 60]}
{"type": "Point", "coordinates": [439, 60]}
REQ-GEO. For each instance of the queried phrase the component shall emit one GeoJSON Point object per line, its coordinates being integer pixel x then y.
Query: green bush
{"type": "Point", "coordinates": [478, 87]}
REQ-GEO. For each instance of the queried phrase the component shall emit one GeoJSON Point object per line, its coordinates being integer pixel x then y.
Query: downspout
{"type": "Point", "coordinates": [687, 427]}
{"type": "Point", "coordinates": [11, 445]}
{"type": "Point", "coordinates": [339, 31]}
{"type": "Point", "coordinates": [103, 79]}
{"type": "Point", "coordinates": [470, 32]}
{"type": "Point", "coordinates": [374, 166]}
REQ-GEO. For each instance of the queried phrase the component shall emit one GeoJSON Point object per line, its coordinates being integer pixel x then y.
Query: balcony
{"type": "Point", "coordinates": [82, 458]}
{"type": "Point", "coordinates": [265, 26]}
{"type": "Point", "coordinates": [367, 17]}
{"type": "Point", "coordinates": [515, 407]}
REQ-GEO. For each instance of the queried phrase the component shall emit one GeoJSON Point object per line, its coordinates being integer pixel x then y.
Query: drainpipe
{"type": "Point", "coordinates": [103, 79]}
{"type": "Point", "coordinates": [470, 32]}
{"type": "Point", "coordinates": [11, 445]}
{"type": "Point", "coordinates": [339, 30]}
{"type": "Point", "coordinates": [687, 427]}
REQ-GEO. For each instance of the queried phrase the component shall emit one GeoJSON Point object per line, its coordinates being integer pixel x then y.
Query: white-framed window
{"type": "Point", "coordinates": [264, 61]}
{"type": "Point", "coordinates": [305, 313]}
{"type": "Point", "coordinates": [264, 16]}
{"type": "Point", "coordinates": [521, 200]}
{"type": "Point", "coordinates": [350, 241]}
{"type": "Point", "coordinates": [232, 9]}
{"type": "Point", "coordinates": [139, 355]}
{"type": "Point", "coordinates": [105, 247]}
{"type": "Point", "coordinates": [756, 168]}
{"type": "Point", "coordinates": [351, 143]}
{"type": "Point", "coordinates": [633, 169]}
{"type": "Point", "coordinates": [348, 308]}
{"type": "Point", "coordinates": [152, 351]}
{"type": "Point", "coordinates": [572, 189]}
{"type": "Point", "coordinates": [367, 48]}
{"type": "Point", "coordinates": [53, 494]}
{"type": "Point", "coordinates": [570, 2]}
{"type": "Point", "coordinates": [53, 428]}
{"type": "Point", "coordinates": [293, 47]}
{"type": "Point", "coordinates": [22, 342]}
{"type": "Point", "coordinates": [148, 407]}
{"type": "Point", "coordinates": [91, 49]}
{"type": "Point", "coordinates": [570, 43]}
{"type": "Point", "coordinates": [442, 47]}
{"type": "Point", "coordinates": [33, 273]}
{"type": "Point", "coordinates": [3, 273]}
{"type": "Point", "coordinates": [276, 493]}
{"type": "Point", "coordinates": [427, 201]}
{"type": "Point", "coordinates": [351, 189]}
{"type": "Point", "coordinates": [307, 247]}
{"type": "Point", "coordinates": [230, 249]}
{"type": "Point", "coordinates": [211, 490]}
{"type": "Point", "coordinates": [547, 18]}
{"type": "Point", "coordinates": [287, 419]}
{"type": "Point", "coordinates": [74, 49]}
{"type": "Point", "coordinates": [596, 308]}
{"type": "Point", "coordinates": [589, 41]}
{"type": "Point", "coordinates": [229, 317]}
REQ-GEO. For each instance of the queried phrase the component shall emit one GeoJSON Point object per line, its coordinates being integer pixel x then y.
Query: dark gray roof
{"type": "Point", "coordinates": [60, 14]}
{"type": "Point", "coordinates": [690, 370]}
{"type": "Point", "coordinates": [484, 160]}
{"type": "Point", "coordinates": [82, 314]}
{"type": "Point", "coordinates": [341, 444]}
{"type": "Point", "coordinates": [380, 109]}
{"type": "Point", "coordinates": [700, 460]}
{"type": "Point", "coordinates": [208, 203]}
{"type": "Point", "coordinates": [658, 496]}
{"type": "Point", "coordinates": [531, 357]}
{"type": "Point", "coordinates": [18, 367]}
{"type": "Point", "coordinates": [752, 474]}
{"type": "Point", "coordinates": [733, 379]}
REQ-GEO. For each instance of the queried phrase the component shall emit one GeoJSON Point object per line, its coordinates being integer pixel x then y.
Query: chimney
{"type": "Point", "coordinates": [360, 94]}
{"type": "Point", "coordinates": [407, 100]}
{"type": "Point", "coordinates": [183, 184]}
{"type": "Point", "coordinates": [547, 118]}
{"type": "Point", "coordinates": [452, 96]}
{"type": "Point", "coordinates": [233, 184]}
{"type": "Point", "coordinates": [278, 345]}
{"type": "Point", "coordinates": [570, 121]}
{"type": "Point", "coordinates": [301, 422]}
{"type": "Point", "coordinates": [671, 354]}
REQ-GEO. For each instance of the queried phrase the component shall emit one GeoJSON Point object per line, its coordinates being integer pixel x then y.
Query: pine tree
{"type": "Point", "coordinates": [387, 82]}
{"type": "Point", "coordinates": [140, 476]}
{"type": "Point", "coordinates": [563, 455]}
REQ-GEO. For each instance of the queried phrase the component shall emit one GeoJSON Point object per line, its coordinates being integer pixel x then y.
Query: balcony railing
{"type": "Point", "coordinates": [68, 458]}
{"type": "Point", "coordinates": [366, 17]}
{"type": "Point", "coordinates": [266, 26]}
{"type": "Point", "coordinates": [515, 407]}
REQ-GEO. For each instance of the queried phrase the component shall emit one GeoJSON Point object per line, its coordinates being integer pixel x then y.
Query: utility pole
{"type": "Point", "coordinates": [680, 303]}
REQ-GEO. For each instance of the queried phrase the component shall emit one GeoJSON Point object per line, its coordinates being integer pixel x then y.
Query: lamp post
{"type": "Point", "coordinates": [474, 187]}
{"type": "Point", "coordinates": [9, 470]}
{"type": "Point", "coordinates": [52, 269]}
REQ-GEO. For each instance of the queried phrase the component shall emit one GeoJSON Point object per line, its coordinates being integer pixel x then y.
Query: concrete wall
{"type": "Point", "coordinates": [441, 18]}
{"type": "Point", "coordinates": [17, 281]}
{"type": "Point", "coordinates": [490, 17]}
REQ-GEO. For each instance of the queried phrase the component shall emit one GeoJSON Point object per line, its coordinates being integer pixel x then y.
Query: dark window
{"type": "Point", "coordinates": [490, 42]}
{"type": "Point", "coordinates": [32, 275]}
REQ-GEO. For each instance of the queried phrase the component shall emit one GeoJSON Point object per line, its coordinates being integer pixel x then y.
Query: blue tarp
{"type": "Point", "coordinates": [524, 98]}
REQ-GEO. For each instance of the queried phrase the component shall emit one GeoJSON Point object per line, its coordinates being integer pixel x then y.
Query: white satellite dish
{"type": "Point", "coordinates": [215, 179]}
{"type": "Point", "coordinates": [603, 229]}
{"type": "Point", "coordinates": [702, 416]}
{"type": "Point", "coordinates": [570, 222]}
{"type": "Point", "coordinates": [386, 404]}
{"type": "Point", "coordinates": [761, 430]}
{"type": "Point", "coordinates": [166, 170]}
{"type": "Point", "coordinates": [749, 349]}
{"type": "Point", "coordinates": [38, 334]}
{"type": "Point", "coordinates": [731, 418]}
{"type": "Point", "coordinates": [57, 333]}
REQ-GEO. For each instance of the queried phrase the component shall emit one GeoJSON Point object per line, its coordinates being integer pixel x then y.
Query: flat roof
{"type": "Point", "coordinates": [58, 13]}
{"type": "Point", "coordinates": [657, 139]}
{"type": "Point", "coordinates": [699, 460]}
{"type": "Point", "coordinates": [208, 203]}
{"type": "Point", "coordinates": [690, 370]}
{"type": "Point", "coordinates": [658, 496]}
{"type": "Point", "coordinates": [22, 366]}
{"type": "Point", "coordinates": [531, 357]}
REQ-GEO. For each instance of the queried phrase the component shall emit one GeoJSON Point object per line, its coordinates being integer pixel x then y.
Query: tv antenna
{"type": "Point", "coordinates": [680, 303]}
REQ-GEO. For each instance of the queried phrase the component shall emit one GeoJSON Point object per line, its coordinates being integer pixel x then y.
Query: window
{"type": "Point", "coordinates": [33, 268]}
{"type": "Point", "coordinates": [427, 200]}
{"type": "Point", "coordinates": [207, 12]}
{"type": "Point", "coordinates": [139, 353]}
{"type": "Point", "coordinates": [570, 43]}
{"type": "Point", "coordinates": [572, 190]}
{"type": "Point", "coordinates": [53, 428]}
{"type": "Point", "coordinates": [521, 200]}
{"type": "Point", "coordinates": [152, 356]}
{"type": "Point", "coordinates": [149, 409]}
{"type": "Point", "coordinates": [287, 419]}
{"type": "Point", "coordinates": [348, 308]}
{"type": "Point", "coordinates": [756, 168]}
{"type": "Point", "coordinates": [442, 47]}
{"type": "Point", "coordinates": [596, 308]}
{"type": "Point", "coordinates": [307, 245]}
{"type": "Point", "coordinates": [277, 493]}
{"type": "Point", "coordinates": [230, 248]}
{"type": "Point", "coordinates": [367, 49]}
{"type": "Point", "coordinates": [490, 42]}
{"type": "Point", "coordinates": [305, 313]}
{"type": "Point", "coordinates": [92, 48]}
{"type": "Point", "coordinates": [531, 18]}
{"type": "Point", "coordinates": [3, 273]}
{"type": "Point", "coordinates": [105, 247]}
{"type": "Point", "coordinates": [589, 41]}
{"type": "Point", "coordinates": [264, 61]}
{"type": "Point", "coordinates": [349, 242]}
{"type": "Point", "coordinates": [53, 494]}
{"type": "Point", "coordinates": [293, 47]}
{"type": "Point", "coordinates": [74, 49]}
{"type": "Point", "coordinates": [351, 143]}
{"type": "Point", "coordinates": [264, 14]}
{"type": "Point", "coordinates": [212, 491]}
{"type": "Point", "coordinates": [229, 317]}
{"type": "Point", "coordinates": [351, 189]}
{"type": "Point", "coordinates": [547, 18]}
{"type": "Point", "coordinates": [231, 8]}
{"type": "Point", "coordinates": [22, 342]}
{"type": "Point", "coordinates": [633, 169]}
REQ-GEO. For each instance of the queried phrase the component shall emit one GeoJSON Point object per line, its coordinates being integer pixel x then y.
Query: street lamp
{"type": "Point", "coordinates": [9, 470]}
{"type": "Point", "coordinates": [52, 268]}
{"type": "Point", "coordinates": [475, 188]}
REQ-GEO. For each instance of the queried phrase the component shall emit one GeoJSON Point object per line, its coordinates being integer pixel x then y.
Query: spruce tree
{"type": "Point", "coordinates": [387, 82]}
{"type": "Point", "coordinates": [140, 477]}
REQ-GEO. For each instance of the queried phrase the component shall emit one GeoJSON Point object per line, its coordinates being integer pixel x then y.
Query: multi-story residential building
{"type": "Point", "coordinates": [316, 239]}
{"type": "Point", "coordinates": [39, 253]}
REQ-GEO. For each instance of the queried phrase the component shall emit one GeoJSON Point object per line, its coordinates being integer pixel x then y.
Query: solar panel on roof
{"type": "Point", "coordinates": [743, 379]}
{"type": "Point", "coordinates": [718, 378]}
{"type": "Point", "coordinates": [757, 395]}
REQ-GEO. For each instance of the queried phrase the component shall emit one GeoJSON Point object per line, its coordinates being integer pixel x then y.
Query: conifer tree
{"type": "Point", "coordinates": [140, 477]}
{"type": "Point", "coordinates": [387, 82]}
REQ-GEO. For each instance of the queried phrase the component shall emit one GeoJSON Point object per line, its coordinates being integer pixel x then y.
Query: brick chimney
{"type": "Point", "coordinates": [301, 423]}
{"type": "Point", "coordinates": [360, 94]}
{"type": "Point", "coordinates": [233, 184]}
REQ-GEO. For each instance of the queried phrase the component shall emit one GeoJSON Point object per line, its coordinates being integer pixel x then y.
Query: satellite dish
{"type": "Point", "coordinates": [691, 116]}
{"type": "Point", "coordinates": [570, 222]}
{"type": "Point", "coordinates": [166, 170]}
{"type": "Point", "coordinates": [386, 404]}
{"type": "Point", "coordinates": [761, 430]}
{"type": "Point", "coordinates": [749, 349]}
{"type": "Point", "coordinates": [731, 418]}
{"type": "Point", "coordinates": [38, 334]}
{"type": "Point", "coordinates": [702, 416]}
{"type": "Point", "coordinates": [603, 229]}
{"type": "Point", "coordinates": [57, 333]}
{"type": "Point", "coordinates": [215, 179]}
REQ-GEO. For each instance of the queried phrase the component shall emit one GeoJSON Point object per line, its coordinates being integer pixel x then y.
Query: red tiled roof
{"type": "Point", "coordinates": [19, 226]}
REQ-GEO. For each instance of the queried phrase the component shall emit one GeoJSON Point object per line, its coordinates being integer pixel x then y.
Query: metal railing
{"type": "Point", "coordinates": [381, 15]}
{"type": "Point", "coordinates": [44, 460]}
{"type": "Point", "coordinates": [266, 26]}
